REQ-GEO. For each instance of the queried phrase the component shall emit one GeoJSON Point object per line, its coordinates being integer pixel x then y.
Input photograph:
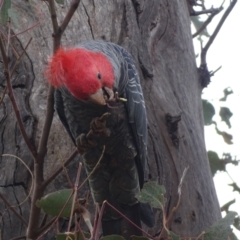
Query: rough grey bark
{"type": "Point", "coordinates": [157, 34]}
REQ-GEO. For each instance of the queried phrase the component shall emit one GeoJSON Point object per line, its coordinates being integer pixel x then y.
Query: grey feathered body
{"type": "Point", "coordinates": [121, 172]}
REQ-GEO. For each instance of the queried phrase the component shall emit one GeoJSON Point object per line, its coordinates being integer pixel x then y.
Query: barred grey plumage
{"type": "Point", "coordinates": [121, 173]}
{"type": "Point", "coordinates": [127, 83]}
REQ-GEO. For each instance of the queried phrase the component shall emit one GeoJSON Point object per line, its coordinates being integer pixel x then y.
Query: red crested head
{"type": "Point", "coordinates": [82, 72]}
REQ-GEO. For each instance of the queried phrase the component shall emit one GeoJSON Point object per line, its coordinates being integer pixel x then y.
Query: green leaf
{"type": "Point", "coordinates": [216, 164]}
{"type": "Point", "coordinates": [4, 11]}
{"type": "Point", "coordinates": [227, 91]}
{"type": "Point", "coordinates": [197, 24]}
{"type": "Point", "coordinates": [173, 236]}
{"type": "Point", "coordinates": [221, 230]}
{"type": "Point", "coordinates": [53, 203]}
{"type": "Point", "coordinates": [226, 206]}
{"type": "Point", "coordinates": [225, 115]}
{"type": "Point", "coordinates": [66, 236]}
{"type": "Point", "coordinates": [236, 223]}
{"type": "Point", "coordinates": [232, 236]}
{"type": "Point", "coordinates": [226, 136]}
{"type": "Point", "coordinates": [139, 238]}
{"type": "Point", "coordinates": [60, 1]}
{"type": "Point", "coordinates": [14, 16]}
{"type": "Point", "coordinates": [152, 193]}
{"type": "Point", "coordinates": [235, 187]}
{"type": "Point", "coordinates": [208, 112]}
{"type": "Point", "coordinates": [72, 236]}
{"type": "Point", "coordinates": [112, 237]}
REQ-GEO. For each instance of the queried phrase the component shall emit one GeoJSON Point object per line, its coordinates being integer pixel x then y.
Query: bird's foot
{"type": "Point", "coordinates": [84, 143]}
{"type": "Point", "coordinates": [119, 99]}
{"type": "Point", "coordinates": [98, 125]}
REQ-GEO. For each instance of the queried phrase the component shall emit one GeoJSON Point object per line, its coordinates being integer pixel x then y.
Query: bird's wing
{"type": "Point", "coordinates": [60, 108]}
{"type": "Point", "coordinates": [136, 112]}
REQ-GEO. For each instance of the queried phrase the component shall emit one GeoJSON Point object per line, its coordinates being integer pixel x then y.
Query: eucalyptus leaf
{"type": "Point", "coordinates": [112, 237]}
{"type": "Point", "coordinates": [53, 203]}
{"type": "Point", "coordinates": [4, 11]}
{"type": "Point", "coordinates": [152, 193]}
{"type": "Point", "coordinates": [60, 1]}
{"type": "Point", "coordinates": [14, 16]}
{"type": "Point", "coordinates": [208, 112]}
{"type": "Point", "coordinates": [221, 230]}
{"type": "Point", "coordinates": [216, 164]}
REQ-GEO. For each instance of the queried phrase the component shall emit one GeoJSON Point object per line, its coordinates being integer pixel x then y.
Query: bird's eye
{"type": "Point", "coordinates": [99, 76]}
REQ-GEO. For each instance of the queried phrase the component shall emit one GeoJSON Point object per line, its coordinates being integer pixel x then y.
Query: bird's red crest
{"type": "Point", "coordinates": [78, 70]}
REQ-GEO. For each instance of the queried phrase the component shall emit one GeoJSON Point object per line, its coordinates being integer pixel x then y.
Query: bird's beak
{"type": "Point", "coordinates": [97, 97]}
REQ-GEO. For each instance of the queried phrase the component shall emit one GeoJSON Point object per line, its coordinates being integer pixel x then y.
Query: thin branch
{"type": "Point", "coordinates": [2, 98]}
{"type": "Point", "coordinates": [42, 148]}
{"type": "Point", "coordinates": [65, 171]}
{"type": "Point", "coordinates": [31, 27]}
{"type": "Point", "coordinates": [50, 100]}
{"type": "Point", "coordinates": [74, 195]}
{"type": "Point", "coordinates": [43, 230]}
{"type": "Point", "coordinates": [213, 36]}
{"type": "Point", "coordinates": [179, 196]}
{"type": "Point", "coordinates": [204, 25]}
{"type": "Point", "coordinates": [52, 177]}
{"type": "Point", "coordinates": [115, 209]}
{"type": "Point", "coordinates": [94, 169]}
{"type": "Point", "coordinates": [26, 166]}
{"type": "Point", "coordinates": [211, 10]}
{"type": "Point", "coordinates": [18, 238]}
{"type": "Point", "coordinates": [46, 227]}
{"type": "Point", "coordinates": [13, 210]}
{"type": "Point", "coordinates": [19, 57]}
{"type": "Point", "coordinates": [71, 11]}
{"type": "Point", "coordinates": [31, 147]}
{"type": "Point", "coordinates": [52, 9]}
{"type": "Point", "coordinates": [44, 220]}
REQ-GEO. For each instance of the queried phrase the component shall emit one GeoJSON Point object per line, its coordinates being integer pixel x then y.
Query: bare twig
{"type": "Point", "coordinates": [46, 227]}
{"type": "Point", "coordinates": [18, 238]}
{"type": "Point", "coordinates": [19, 57]}
{"type": "Point", "coordinates": [26, 166]}
{"type": "Point", "coordinates": [213, 72]}
{"type": "Point", "coordinates": [179, 196]}
{"type": "Point", "coordinates": [94, 169]}
{"type": "Point", "coordinates": [213, 36]}
{"type": "Point", "coordinates": [72, 9]}
{"type": "Point", "coordinates": [115, 209]}
{"type": "Point", "coordinates": [13, 210]}
{"type": "Point", "coordinates": [218, 10]}
{"type": "Point", "coordinates": [211, 10]}
{"type": "Point", "coordinates": [52, 9]}
{"type": "Point", "coordinates": [12, 98]}
{"type": "Point", "coordinates": [56, 43]}
{"type": "Point", "coordinates": [47, 181]}
{"type": "Point", "coordinates": [65, 171]}
{"type": "Point", "coordinates": [29, 28]}
{"type": "Point", "coordinates": [44, 220]}
{"type": "Point", "coordinates": [43, 230]}
{"type": "Point", "coordinates": [42, 148]}
{"type": "Point", "coordinates": [2, 97]}
{"type": "Point", "coordinates": [74, 195]}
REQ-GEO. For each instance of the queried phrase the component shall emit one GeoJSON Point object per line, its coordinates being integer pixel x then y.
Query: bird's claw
{"type": "Point", "coordinates": [118, 99]}
{"type": "Point", "coordinates": [84, 143]}
{"type": "Point", "coordinates": [98, 125]}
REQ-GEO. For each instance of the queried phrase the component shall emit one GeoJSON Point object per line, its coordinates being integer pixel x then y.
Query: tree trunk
{"type": "Point", "coordinates": [157, 34]}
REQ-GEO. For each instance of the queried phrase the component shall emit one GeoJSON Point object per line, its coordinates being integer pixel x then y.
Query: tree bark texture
{"type": "Point", "coordinates": [157, 34]}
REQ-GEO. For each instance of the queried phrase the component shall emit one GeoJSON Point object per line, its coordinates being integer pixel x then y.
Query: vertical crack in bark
{"type": "Point", "coordinates": [138, 10]}
{"type": "Point", "coordinates": [89, 20]}
{"type": "Point", "coordinates": [155, 152]}
{"type": "Point", "coordinates": [164, 30]}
